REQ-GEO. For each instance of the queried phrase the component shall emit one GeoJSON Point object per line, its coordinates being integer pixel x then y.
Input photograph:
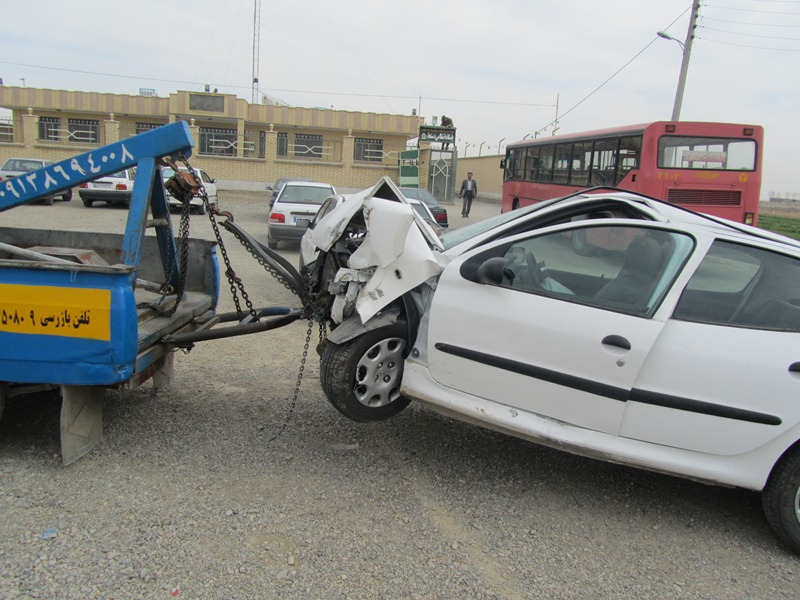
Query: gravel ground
{"type": "Point", "coordinates": [188, 495]}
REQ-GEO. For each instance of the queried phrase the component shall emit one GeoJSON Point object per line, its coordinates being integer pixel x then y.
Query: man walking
{"type": "Point", "coordinates": [469, 189]}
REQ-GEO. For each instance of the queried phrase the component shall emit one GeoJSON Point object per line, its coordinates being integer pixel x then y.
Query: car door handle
{"type": "Point", "coordinates": [618, 341]}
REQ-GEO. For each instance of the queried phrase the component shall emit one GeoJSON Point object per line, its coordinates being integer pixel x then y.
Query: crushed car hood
{"type": "Point", "coordinates": [397, 252]}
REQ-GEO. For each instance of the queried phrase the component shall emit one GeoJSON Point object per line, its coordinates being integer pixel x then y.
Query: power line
{"type": "Point", "coordinates": [747, 45]}
{"type": "Point", "coordinates": [317, 92]}
{"type": "Point", "coordinates": [769, 37]}
{"type": "Point", "coordinates": [705, 18]}
{"type": "Point", "coordinates": [768, 12]}
{"type": "Point", "coordinates": [617, 72]}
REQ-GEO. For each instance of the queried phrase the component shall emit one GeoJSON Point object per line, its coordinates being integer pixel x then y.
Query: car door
{"type": "Point", "coordinates": [724, 376]}
{"type": "Point", "coordinates": [526, 322]}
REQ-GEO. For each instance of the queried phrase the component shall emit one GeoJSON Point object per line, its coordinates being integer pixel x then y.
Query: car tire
{"type": "Point", "coordinates": [48, 201]}
{"type": "Point", "coordinates": [781, 499]}
{"type": "Point", "coordinates": [362, 376]}
{"type": "Point", "coordinates": [88, 203]}
{"type": "Point", "coordinates": [201, 210]}
{"type": "Point", "coordinates": [67, 196]}
{"type": "Point", "coordinates": [272, 244]}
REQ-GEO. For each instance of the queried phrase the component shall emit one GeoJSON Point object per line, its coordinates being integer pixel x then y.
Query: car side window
{"type": "Point", "coordinates": [618, 267]}
{"type": "Point", "coordinates": [743, 286]}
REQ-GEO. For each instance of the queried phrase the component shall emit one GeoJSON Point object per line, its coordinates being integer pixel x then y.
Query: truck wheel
{"type": "Point", "coordinates": [87, 203]}
{"type": "Point", "coordinates": [781, 499]}
{"type": "Point", "coordinates": [362, 376]}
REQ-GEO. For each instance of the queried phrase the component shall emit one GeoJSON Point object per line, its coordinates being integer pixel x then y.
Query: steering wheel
{"type": "Point", "coordinates": [534, 269]}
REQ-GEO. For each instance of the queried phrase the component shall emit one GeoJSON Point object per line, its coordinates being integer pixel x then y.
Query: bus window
{"type": "Point", "coordinates": [545, 171]}
{"type": "Point", "coordinates": [581, 159]}
{"type": "Point", "coordinates": [533, 163]}
{"type": "Point", "coordinates": [676, 152]}
{"type": "Point", "coordinates": [630, 150]}
{"type": "Point", "coordinates": [562, 163]}
{"type": "Point", "coordinates": [604, 162]}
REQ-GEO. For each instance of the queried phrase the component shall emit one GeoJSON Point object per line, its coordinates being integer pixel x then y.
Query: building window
{"type": "Point", "coordinates": [217, 141]}
{"type": "Point", "coordinates": [84, 130]}
{"type": "Point", "coordinates": [307, 145]}
{"type": "Point", "coordinates": [283, 143]}
{"type": "Point", "coordinates": [49, 129]}
{"type": "Point", "coordinates": [142, 127]}
{"type": "Point", "coordinates": [6, 130]}
{"type": "Point", "coordinates": [368, 149]}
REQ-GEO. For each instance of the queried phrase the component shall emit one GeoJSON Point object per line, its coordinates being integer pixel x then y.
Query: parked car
{"type": "Point", "coordinates": [294, 209]}
{"type": "Point", "coordinates": [438, 211]}
{"type": "Point", "coordinates": [276, 187]}
{"type": "Point", "coordinates": [111, 189]}
{"type": "Point", "coordinates": [209, 185]}
{"type": "Point", "coordinates": [607, 324]}
{"type": "Point", "coordinates": [14, 167]}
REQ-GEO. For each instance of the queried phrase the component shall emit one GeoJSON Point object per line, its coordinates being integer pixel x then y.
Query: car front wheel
{"type": "Point", "coordinates": [781, 499]}
{"type": "Point", "coordinates": [362, 376]}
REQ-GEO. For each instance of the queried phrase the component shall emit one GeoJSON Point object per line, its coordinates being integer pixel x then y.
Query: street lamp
{"type": "Point", "coordinates": [499, 145]}
{"type": "Point", "coordinates": [480, 148]}
{"type": "Point", "coordinates": [686, 50]}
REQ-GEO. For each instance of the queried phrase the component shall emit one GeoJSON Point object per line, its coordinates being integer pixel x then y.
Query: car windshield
{"type": "Point", "coordinates": [302, 194]}
{"type": "Point", "coordinates": [455, 236]}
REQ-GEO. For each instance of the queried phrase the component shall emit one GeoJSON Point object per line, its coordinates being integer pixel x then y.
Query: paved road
{"type": "Point", "coordinates": [188, 495]}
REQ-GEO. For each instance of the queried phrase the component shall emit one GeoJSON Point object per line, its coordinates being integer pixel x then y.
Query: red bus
{"type": "Point", "coordinates": [713, 168]}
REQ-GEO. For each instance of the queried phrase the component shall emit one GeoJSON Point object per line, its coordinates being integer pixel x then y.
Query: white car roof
{"type": "Point", "coordinates": [308, 184]}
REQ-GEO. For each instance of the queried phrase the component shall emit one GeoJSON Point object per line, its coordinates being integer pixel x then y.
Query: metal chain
{"type": "Point", "coordinates": [297, 385]}
{"type": "Point", "coordinates": [234, 281]}
{"type": "Point", "coordinates": [236, 284]}
{"type": "Point", "coordinates": [182, 241]}
{"type": "Point", "coordinates": [267, 267]}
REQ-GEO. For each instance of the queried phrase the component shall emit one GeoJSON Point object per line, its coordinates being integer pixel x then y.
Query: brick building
{"type": "Point", "coordinates": [242, 145]}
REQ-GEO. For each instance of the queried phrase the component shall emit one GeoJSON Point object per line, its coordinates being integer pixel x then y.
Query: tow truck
{"type": "Point", "coordinates": [87, 311]}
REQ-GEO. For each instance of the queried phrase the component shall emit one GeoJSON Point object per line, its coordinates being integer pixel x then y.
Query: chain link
{"type": "Point", "coordinates": [297, 386]}
{"type": "Point", "coordinates": [234, 281]}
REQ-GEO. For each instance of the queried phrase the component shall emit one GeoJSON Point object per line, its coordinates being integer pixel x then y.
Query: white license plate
{"type": "Point", "coordinates": [102, 184]}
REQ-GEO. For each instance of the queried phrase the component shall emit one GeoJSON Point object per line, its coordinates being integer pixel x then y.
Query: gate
{"type": "Point", "coordinates": [442, 174]}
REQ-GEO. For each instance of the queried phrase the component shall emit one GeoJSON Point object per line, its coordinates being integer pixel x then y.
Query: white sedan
{"type": "Point", "coordinates": [607, 324]}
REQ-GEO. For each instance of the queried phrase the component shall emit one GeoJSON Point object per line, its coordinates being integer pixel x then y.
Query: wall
{"type": "Point", "coordinates": [487, 172]}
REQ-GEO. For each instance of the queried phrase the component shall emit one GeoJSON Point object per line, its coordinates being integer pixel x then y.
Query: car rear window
{"type": "Point", "coordinates": [301, 194]}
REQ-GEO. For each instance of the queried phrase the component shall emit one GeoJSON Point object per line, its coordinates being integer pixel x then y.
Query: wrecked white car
{"type": "Point", "coordinates": [603, 323]}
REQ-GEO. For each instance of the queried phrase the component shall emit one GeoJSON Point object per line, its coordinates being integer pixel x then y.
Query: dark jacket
{"type": "Point", "coordinates": [464, 189]}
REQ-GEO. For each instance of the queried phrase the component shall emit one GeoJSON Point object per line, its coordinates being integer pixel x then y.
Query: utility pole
{"type": "Point", "coordinates": [686, 48]}
{"type": "Point", "coordinates": [555, 122]}
{"type": "Point", "coordinates": [256, 47]}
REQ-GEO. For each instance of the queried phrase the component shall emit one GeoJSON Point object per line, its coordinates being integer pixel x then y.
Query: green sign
{"type": "Point", "coordinates": [437, 134]}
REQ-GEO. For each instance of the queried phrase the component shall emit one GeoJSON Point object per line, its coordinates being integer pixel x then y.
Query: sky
{"type": "Point", "coordinates": [501, 69]}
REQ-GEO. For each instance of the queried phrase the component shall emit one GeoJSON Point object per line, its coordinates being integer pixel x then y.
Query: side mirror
{"type": "Point", "coordinates": [503, 163]}
{"type": "Point", "coordinates": [269, 188]}
{"type": "Point", "coordinates": [491, 271]}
